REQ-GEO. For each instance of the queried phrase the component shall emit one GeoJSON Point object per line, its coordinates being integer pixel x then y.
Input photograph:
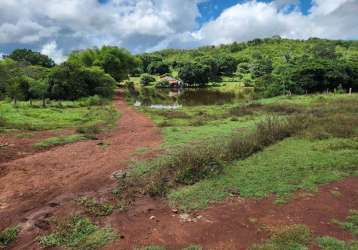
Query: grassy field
{"type": "Point", "coordinates": [56, 115]}
{"type": "Point", "coordinates": [252, 148]}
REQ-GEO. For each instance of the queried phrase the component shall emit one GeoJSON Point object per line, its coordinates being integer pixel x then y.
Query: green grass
{"type": "Point", "coordinates": [280, 169]}
{"type": "Point", "coordinates": [174, 136]}
{"type": "Point", "coordinates": [60, 140]}
{"type": "Point", "coordinates": [78, 233]}
{"type": "Point", "coordinates": [351, 223]}
{"type": "Point", "coordinates": [58, 115]}
{"type": "Point", "coordinates": [329, 243]}
{"type": "Point", "coordinates": [25, 135]}
{"type": "Point", "coordinates": [295, 237]}
{"type": "Point", "coordinates": [8, 235]}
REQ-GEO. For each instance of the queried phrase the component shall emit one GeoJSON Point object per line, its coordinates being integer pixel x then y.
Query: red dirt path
{"type": "Point", "coordinates": [30, 182]}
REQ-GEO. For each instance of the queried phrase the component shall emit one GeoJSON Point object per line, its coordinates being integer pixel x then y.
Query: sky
{"type": "Point", "coordinates": [57, 27]}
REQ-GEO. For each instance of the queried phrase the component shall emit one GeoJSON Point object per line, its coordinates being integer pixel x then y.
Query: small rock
{"type": "Point", "coordinates": [119, 174]}
{"type": "Point", "coordinates": [152, 217]}
{"type": "Point", "coordinates": [175, 211]}
{"type": "Point", "coordinates": [185, 218]}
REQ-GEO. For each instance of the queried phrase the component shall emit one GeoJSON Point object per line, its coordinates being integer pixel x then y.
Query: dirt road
{"type": "Point", "coordinates": [31, 182]}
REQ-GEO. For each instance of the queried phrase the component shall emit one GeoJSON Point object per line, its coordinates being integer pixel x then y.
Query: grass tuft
{"type": "Point", "coordinates": [8, 235]}
{"type": "Point", "coordinates": [292, 237]}
{"type": "Point", "coordinates": [78, 233]}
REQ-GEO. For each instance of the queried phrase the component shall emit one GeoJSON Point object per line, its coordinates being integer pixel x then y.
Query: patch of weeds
{"type": "Point", "coordinates": [193, 247]}
{"type": "Point", "coordinates": [165, 123]}
{"type": "Point", "coordinates": [292, 237]}
{"type": "Point", "coordinates": [122, 206]}
{"type": "Point", "coordinates": [78, 233]}
{"type": "Point", "coordinates": [330, 243]}
{"type": "Point", "coordinates": [351, 223]}
{"type": "Point", "coordinates": [89, 131]}
{"type": "Point", "coordinates": [92, 206]}
{"type": "Point", "coordinates": [26, 135]}
{"type": "Point", "coordinates": [60, 140]}
{"type": "Point", "coordinates": [8, 235]}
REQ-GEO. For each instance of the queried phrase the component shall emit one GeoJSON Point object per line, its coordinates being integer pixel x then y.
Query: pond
{"type": "Point", "coordinates": [173, 99]}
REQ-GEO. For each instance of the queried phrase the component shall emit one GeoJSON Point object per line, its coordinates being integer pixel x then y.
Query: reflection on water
{"type": "Point", "coordinates": [173, 99]}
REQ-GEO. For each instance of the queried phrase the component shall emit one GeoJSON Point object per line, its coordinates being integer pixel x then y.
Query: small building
{"type": "Point", "coordinates": [173, 83]}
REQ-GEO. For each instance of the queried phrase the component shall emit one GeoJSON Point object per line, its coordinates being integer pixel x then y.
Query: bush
{"type": "Point", "coordinates": [71, 81]}
{"type": "Point", "coordinates": [146, 79]}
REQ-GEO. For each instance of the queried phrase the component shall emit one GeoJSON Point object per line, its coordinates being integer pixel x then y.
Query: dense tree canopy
{"type": "Point", "coordinates": [194, 74]}
{"type": "Point", "coordinates": [72, 81]}
{"type": "Point", "coordinates": [117, 62]}
{"type": "Point", "coordinates": [31, 57]}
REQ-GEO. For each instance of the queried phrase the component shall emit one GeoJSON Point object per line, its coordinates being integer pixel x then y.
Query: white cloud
{"type": "Point", "coordinates": [327, 19]}
{"type": "Point", "coordinates": [58, 26]}
{"type": "Point", "coordinates": [50, 49]}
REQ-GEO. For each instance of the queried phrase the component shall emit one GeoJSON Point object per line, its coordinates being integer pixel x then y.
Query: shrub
{"type": "Point", "coordinates": [146, 79]}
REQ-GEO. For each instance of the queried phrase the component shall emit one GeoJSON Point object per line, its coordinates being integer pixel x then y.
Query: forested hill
{"type": "Point", "coordinates": [274, 65]}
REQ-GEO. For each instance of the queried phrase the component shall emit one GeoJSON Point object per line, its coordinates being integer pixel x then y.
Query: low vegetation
{"type": "Point", "coordinates": [8, 235]}
{"type": "Point", "coordinates": [56, 115]}
{"type": "Point", "coordinates": [351, 223]}
{"type": "Point", "coordinates": [78, 233]}
{"type": "Point", "coordinates": [310, 139]}
{"type": "Point", "coordinates": [291, 237]}
{"type": "Point", "coordinates": [330, 243]}
{"type": "Point", "coordinates": [94, 207]}
{"type": "Point", "coordinates": [60, 140]}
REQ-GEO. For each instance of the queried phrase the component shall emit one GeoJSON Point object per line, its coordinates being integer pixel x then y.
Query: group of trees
{"type": "Point", "coordinates": [273, 66]}
{"type": "Point", "coordinates": [319, 69]}
{"type": "Point", "coordinates": [27, 75]}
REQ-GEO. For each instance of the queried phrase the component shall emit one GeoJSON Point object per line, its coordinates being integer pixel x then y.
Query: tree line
{"type": "Point", "coordinates": [272, 66]}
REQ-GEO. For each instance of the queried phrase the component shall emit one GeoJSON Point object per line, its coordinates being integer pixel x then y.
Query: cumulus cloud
{"type": "Point", "coordinates": [50, 49]}
{"type": "Point", "coordinates": [56, 27]}
{"type": "Point", "coordinates": [76, 24]}
{"type": "Point", "coordinates": [326, 19]}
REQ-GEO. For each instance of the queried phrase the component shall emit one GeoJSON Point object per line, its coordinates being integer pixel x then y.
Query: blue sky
{"type": "Point", "coordinates": [56, 27]}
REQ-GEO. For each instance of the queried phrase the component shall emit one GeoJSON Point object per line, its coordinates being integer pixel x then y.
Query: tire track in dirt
{"type": "Point", "coordinates": [31, 182]}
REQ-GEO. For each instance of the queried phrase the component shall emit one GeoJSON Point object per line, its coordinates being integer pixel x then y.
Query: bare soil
{"type": "Point", "coordinates": [44, 185]}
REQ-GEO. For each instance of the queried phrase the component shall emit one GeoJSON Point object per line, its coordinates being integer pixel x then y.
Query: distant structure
{"type": "Point", "coordinates": [173, 83]}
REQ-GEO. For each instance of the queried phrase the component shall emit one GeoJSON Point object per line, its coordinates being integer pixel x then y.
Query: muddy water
{"type": "Point", "coordinates": [169, 98]}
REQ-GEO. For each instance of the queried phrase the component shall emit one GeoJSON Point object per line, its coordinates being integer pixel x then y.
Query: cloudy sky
{"type": "Point", "coordinates": [55, 27]}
